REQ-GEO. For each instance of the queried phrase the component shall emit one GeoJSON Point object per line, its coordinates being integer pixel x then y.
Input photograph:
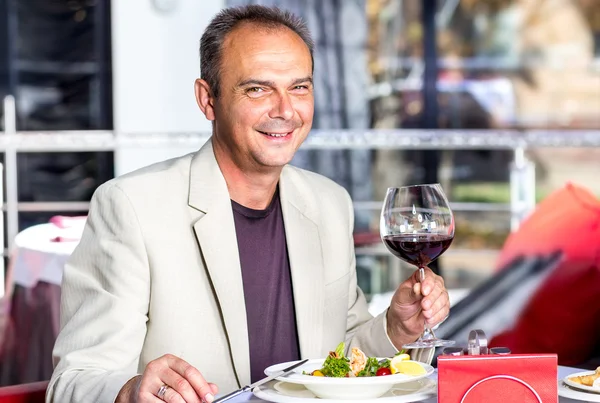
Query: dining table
{"type": "Point", "coordinates": [563, 371]}
{"type": "Point", "coordinates": [36, 266]}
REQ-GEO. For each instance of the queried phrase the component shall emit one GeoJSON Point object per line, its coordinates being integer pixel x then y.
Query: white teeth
{"type": "Point", "coordinates": [276, 134]}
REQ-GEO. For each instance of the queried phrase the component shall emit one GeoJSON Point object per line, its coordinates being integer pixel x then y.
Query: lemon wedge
{"type": "Point", "coordinates": [396, 360]}
{"type": "Point", "coordinates": [406, 367]}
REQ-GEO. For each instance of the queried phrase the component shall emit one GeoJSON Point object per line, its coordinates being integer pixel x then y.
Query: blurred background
{"type": "Point", "coordinates": [497, 100]}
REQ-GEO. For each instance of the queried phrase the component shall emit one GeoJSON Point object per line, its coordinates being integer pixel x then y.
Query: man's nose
{"type": "Point", "coordinates": [282, 107]}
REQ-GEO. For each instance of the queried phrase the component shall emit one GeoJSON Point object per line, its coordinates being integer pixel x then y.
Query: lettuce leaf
{"type": "Point", "coordinates": [339, 350]}
{"type": "Point", "coordinates": [336, 367]}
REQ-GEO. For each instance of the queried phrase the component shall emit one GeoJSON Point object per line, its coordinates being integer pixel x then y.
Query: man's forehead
{"type": "Point", "coordinates": [251, 27]}
{"type": "Point", "coordinates": [250, 36]}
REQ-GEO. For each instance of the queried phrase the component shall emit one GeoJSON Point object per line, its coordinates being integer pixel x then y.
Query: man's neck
{"type": "Point", "coordinates": [250, 188]}
{"type": "Point", "coordinates": [250, 191]}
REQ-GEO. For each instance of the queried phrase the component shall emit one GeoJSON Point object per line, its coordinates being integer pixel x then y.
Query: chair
{"type": "Point", "coordinates": [25, 393]}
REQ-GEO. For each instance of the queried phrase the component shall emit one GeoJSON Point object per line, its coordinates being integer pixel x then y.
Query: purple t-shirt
{"type": "Point", "coordinates": [272, 331]}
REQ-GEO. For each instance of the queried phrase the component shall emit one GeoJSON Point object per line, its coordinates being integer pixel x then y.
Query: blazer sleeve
{"type": "Point", "coordinates": [104, 304]}
{"type": "Point", "coordinates": [362, 330]}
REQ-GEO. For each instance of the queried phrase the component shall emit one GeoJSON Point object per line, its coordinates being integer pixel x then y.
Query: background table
{"type": "Point", "coordinates": [41, 251]}
{"type": "Point", "coordinates": [33, 301]}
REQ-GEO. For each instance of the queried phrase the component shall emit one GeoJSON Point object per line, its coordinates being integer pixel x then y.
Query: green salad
{"type": "Point", "coordinates": [337, 365]}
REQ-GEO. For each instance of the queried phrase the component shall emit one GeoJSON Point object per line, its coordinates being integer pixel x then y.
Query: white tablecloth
{"type": "Point", "coordinates": [562, 372]}
{"type": "Point", "coordinates": [36, 257]}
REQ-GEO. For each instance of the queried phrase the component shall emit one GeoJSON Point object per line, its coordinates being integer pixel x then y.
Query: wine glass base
{"type": "Point", "coordinates": [429, 343]}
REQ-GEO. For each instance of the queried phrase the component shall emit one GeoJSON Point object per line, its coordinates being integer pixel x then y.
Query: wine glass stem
{"type": "Point", "coordinates": [427, 331]}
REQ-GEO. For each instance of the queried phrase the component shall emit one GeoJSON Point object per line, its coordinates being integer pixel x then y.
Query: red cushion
{"type": "Point", "coordinates": [567, 220]}
{"type": "Point", "coordinates": [563, 316]}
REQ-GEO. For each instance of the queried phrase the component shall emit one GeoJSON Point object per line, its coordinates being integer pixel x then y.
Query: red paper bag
{"type": "Point", "coordinates": [519, 378]}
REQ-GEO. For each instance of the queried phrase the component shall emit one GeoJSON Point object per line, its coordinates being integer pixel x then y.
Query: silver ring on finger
{"type": "Point", "coordinates": [161, 391]}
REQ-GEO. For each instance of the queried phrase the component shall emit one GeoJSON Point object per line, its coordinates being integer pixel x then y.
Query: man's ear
{"type": "Point", "coordinates": [204, 98]}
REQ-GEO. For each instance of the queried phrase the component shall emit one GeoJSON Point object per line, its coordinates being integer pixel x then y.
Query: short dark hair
{"type": "Point", "coordinates": [211, 44]}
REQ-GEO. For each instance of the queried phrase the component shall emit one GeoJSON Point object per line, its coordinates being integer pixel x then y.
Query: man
{"type": "Point", "coordinates": [211, 266]}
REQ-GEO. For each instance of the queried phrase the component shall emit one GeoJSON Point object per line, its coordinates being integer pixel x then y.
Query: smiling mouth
{"type": "Point", "coordinates": [276, 135]}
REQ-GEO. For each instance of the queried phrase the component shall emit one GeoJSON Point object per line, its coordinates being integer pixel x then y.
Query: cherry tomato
{"type": "Point", "coordinates": [383, 372]}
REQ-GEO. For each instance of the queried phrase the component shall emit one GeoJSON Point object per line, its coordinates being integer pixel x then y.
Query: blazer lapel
{"type": "Point", "coordinates": [215, 231]}
{"type": "Point", "coordinates": [300, 215]}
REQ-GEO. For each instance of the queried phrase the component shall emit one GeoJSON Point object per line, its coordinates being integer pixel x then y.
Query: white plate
{"type": "Point", "coordinates": [578, 385]}
{"type": "Point", "coordinates": [566, 391]}
{"type": "Point", "coordinates": [283, 392]}
{"type": "Point", "coordinates": [343, 388]}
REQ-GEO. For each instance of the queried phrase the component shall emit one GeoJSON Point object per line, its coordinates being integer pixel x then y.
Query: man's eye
{"type": "Point", "coordinates": [301, 89]}
{"type": "Point", "coordinates": [255, 89]}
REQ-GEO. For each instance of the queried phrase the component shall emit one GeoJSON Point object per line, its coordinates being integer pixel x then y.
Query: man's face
{"type": "Point", "coordinates": [265, 106]}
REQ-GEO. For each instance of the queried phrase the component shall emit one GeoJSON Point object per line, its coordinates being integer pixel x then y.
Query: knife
{"type": "Point", "coordinates": [248, 388]}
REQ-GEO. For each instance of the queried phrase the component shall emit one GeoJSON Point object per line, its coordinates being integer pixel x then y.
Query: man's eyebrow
{"type": "Point", "coordinates": [254, 81]}
{"type": "Point", "coordinates": [302, 80]}
{"type": "Point", "coordinates": [266, 83]}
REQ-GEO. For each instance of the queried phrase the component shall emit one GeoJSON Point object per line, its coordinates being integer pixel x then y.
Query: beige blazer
{"type": "Point", "coordinates": [157, 271]}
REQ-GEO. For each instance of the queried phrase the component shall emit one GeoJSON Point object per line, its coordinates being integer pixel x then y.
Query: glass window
{"type": "Point", "coordinates": [513, 63]}
{"type": "Point", "coordinates": [55, 60]}
{"type": "Point", "coordinates": [62, 65]}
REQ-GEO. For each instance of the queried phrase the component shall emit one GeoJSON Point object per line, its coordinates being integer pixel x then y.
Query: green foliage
{"type": "Point", "coordinates": [336, 367]}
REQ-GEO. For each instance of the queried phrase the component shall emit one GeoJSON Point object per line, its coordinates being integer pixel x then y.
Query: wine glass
{"type": "Point", "coordinates": [417, 226]}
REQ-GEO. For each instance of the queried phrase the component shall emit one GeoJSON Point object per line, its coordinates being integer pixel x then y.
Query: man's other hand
{"type": "Point", "coordinates": [183, 384]}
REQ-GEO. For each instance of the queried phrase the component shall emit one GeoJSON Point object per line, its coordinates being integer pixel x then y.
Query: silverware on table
{"type": "Point", "coordinates": [248, 388]}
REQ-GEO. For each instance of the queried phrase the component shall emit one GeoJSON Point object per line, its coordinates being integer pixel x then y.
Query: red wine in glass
{"type": "Point", "coordinates": [419, 250]}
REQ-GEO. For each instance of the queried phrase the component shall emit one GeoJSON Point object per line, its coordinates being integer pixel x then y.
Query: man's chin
{"type": "Point", "coordinates": [274, 163]}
